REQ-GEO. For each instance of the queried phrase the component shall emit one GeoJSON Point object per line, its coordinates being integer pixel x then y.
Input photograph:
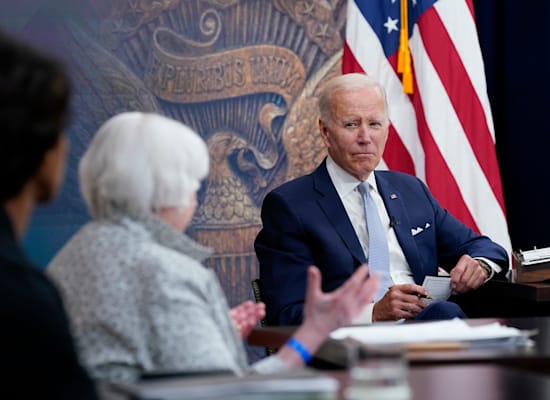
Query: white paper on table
{"type": "Point", "coordinates": [439, 287]}
{"type": "Point", "coordinates": [437, 331]}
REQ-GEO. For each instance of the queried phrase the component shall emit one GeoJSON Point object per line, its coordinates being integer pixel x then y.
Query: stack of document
{"type": "Point", "coordinates": [535, 256]}
{"type": "Point", "coordinates": [455, 330]}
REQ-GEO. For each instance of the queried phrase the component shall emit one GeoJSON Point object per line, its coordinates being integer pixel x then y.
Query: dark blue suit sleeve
{"type": "Point", "coordinates": [284, 257]}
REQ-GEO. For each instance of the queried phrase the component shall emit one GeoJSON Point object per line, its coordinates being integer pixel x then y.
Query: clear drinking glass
{"type": "Point", "coordinates": [378, 374]}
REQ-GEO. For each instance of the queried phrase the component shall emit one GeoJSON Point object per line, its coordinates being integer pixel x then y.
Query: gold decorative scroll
{"type": "Point", "coordinates": [227, 74]}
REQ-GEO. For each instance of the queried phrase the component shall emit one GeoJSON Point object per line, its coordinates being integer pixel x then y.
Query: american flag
{"type": "Point", "coordinates": [442, 132]}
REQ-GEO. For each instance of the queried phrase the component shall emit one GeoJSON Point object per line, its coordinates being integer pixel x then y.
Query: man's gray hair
{"type": "Point", "coordinates": [353, 81]}
{"type": "Point", "coordinates": [139, 162]}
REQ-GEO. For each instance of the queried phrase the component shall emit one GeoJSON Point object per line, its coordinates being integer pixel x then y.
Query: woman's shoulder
{"type": "Point", "coordinates": [97, 240]}
{"type": "Point", "coordinates": [162, 260]}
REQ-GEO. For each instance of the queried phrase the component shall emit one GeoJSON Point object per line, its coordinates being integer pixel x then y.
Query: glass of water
{"type": "Point", "coordinates": [377, 373]}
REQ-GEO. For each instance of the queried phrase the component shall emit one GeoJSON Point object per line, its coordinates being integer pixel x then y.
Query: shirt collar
{"type": "Point", "coordinates": [165, 234]}
{"type": "Point", "coordinates": [343, 181]}
{"type": "Point", "coordinates": [372, 182]}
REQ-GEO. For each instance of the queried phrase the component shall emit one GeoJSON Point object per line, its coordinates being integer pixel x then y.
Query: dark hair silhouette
{"type": "Point", "coordinates": [34, 98]}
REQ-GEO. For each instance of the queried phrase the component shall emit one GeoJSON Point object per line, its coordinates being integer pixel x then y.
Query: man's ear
{"type": "Point", "coordinates": [323, 130]}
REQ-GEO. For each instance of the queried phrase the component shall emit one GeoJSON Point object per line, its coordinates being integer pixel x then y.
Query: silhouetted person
{"type": "Point", "coordinates": [37, 356]}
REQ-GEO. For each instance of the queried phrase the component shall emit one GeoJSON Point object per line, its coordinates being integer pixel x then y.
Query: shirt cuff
{"type": "Point", "coordinates": [494, 267]}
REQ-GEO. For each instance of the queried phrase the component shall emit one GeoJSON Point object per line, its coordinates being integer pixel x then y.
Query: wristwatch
{"type": "Point", "coordinates": [486, 267]}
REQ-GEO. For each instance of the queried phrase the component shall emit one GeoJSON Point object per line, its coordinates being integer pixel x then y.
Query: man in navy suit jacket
{"type": "Point", "coordinates": [318, 219]}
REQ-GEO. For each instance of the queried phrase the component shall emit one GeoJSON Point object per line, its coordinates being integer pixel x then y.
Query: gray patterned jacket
{"type": "Point", "coordinates": [139, 300]}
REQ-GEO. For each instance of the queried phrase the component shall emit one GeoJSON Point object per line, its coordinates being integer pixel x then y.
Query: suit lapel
{"type": "Point", "coordinates": [332, 206]}
{"type": "Point", "coordinates": [397, 212]}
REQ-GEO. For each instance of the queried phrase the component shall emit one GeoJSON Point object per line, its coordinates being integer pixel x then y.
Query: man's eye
{"type": "Point", "coordinates": [351, 124]}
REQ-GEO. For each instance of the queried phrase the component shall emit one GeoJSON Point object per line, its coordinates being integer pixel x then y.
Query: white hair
{"type": "Point", "coordinates": [139, 162]}
{"type": "Point", "coordinates": [352, 81]}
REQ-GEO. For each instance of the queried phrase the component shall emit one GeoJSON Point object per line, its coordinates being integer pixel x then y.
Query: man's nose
{"type": "Point", "coordinates": [363, 134]}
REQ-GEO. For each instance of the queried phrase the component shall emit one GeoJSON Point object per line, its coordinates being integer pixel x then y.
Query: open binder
{"type": "Point", "coordinates": [532, 265]}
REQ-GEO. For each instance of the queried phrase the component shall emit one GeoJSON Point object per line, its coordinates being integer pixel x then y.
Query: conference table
{"type": "Point", "coordinates": [448, 382]}
{"type": "Point", "coordinates": [505, 299]}
{"type": "Point", "coordinates": [476, 373]}
{"type": "Point", "coordinates": [535, 358]}
{"type": "Point", "coordinates": [471, 382]}
{"type": "Point", "coordinates": [494, 372]}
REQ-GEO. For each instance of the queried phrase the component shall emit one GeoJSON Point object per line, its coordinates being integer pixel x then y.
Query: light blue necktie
{"type": "Point", "coordinates": [378, 257]}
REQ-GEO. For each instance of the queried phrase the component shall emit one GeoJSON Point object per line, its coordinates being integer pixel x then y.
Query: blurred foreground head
{"type": "Point", "coordinates": [34, 98]}
{"type": "Point", "coordinates": [140, 163]}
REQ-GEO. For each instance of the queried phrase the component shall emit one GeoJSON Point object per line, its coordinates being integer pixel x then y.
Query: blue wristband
{"type": "Point", "coordinates": [300, 349]}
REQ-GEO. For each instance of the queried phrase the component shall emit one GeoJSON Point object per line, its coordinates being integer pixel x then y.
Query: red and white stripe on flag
{"type": "Point", "coordinates": [443, 132]}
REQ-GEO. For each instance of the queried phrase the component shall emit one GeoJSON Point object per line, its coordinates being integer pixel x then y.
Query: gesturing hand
{"type": "Point", "coordinates": [246, 315]}
{"type": "Point", "coordinates": [329, 311]}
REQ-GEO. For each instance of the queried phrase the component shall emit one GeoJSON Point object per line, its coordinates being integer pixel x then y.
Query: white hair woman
{"type": "Point", "coordinates": [138, 297]}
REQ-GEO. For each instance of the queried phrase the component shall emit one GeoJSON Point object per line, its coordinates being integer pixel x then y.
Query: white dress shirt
{"type": "Point", "coordinates": [347, 188]}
